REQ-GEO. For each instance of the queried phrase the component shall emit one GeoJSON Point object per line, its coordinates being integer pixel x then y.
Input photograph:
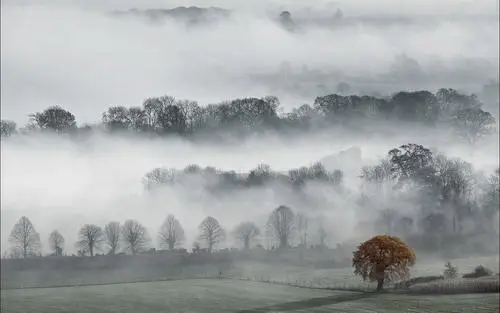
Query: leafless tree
{"type": "Point", "coordinates": [302, 228]}
{"type": "Point", "coordinates": [56, 242]}
{"type": "Point", "coordinates": [211, 232]}
{"type": "Point", "coordinates": [91, 238]}
{"type": "Point", "coordinates": [135, 236]}
{"type": "Point", "coordinates": [246, 232]}
{"type": "Point", "coordinates": [322, 235]}
{"type": "Point", "coordinates": [24, 239]}
{"type": "Point", "coordinates": [282, 225]}
{"type": "Point", "coordinates": [171, 233]}
{"type": "Point", "coordinates": [112, 236]}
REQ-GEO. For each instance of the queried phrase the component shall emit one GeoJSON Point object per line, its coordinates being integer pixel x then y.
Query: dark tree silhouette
{"type": "Point", "coordinates": [56, 242]}
{"type": "Point", "coordinates": [211, 232]}
{"type": "Point", "coordinates": [246, 232]}
{"type": "Point", "coordinates": [91, 237]}
{"type": "Point", "coordinates": [112, 232]}
{"type": "Point", "coordinates": [473, 123]}
{"type": "Point", "coordinates": [24, 239]}
{"type": "Point", "coordinates": [54, 118]}
{"type": "Point", "coordinates": [282, 225]}
{"type": "Point", "coordinates": [135, 237]}
{"type": "Point", "coordinates": [171, 233]}
{"type": "Point", "coordinates": [7, 128]}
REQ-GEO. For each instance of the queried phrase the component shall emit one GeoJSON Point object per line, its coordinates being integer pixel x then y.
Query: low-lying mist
{"type": "Point", "coordinates": [62, 184]}
{"type": "Point", "coordinates": [72, 53]}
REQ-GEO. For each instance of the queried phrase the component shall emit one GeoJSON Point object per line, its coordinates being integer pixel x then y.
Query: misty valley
{"type": "Point", "coordinates": [260, 177]}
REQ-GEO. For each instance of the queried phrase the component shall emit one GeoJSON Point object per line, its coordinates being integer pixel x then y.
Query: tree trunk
{"type": "Point", "coordinates": [247, 243]}
{"type": "Point", "coordinates": [380, 284]}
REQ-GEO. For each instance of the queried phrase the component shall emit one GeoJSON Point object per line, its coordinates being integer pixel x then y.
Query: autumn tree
{"type": "Point", "coordinates": [211, 232]}
{"type": "Point", "coordinates": [383, 259]}
{"type": "Point", "coordinates": [281, 221]}
{"type": "Point", "coordinates": [56, 242]}
{"type": "Point", "coordinates": [91, 238]}
{"type": "Point", "coordinates": [134, 236]}
{"type": "Point", "coordinates": [24, 239]}
{"type": "Point", "coordinates": [171, 233]}
{"type": "Point", "coordinates": [246, 232]}
{"type": "Point", "coordinates": [112, 232]}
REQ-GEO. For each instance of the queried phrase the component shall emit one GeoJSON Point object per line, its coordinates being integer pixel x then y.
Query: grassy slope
{"type": "Point", "coordinates": [228, 296]}
{"type": "Point", "coordinates": [344, 277]}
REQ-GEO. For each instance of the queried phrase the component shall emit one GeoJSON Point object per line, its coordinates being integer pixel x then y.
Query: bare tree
{"type": "Point", "coordinates": [282, 225]}
{"type": "Point", "coordinates": [246, 232]}
{"type": "Point", "coordinates": [171, 233]}
{"type": "Point", "coordinates": [473, 123]}
{"type": "Point", "coordinates": [211, 232]}
{"type": "Point", "coordinates": [302, 228]}
{"type": "Point", "coordinates": [56, 242]}
{"type": "Point", "coordinates": [322, 235]}
{"type": "Point", "coordinates": [24, 239]}
{"type": "Point", "coordinates": [135, 236]}
{"type": "Point", "coordinates": [112, 236]}
{"type": "Point", "coordinates": [91, 238]}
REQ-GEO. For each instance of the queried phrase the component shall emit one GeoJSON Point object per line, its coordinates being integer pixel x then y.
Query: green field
{"type": "Point", "coordinates": [221, 295]}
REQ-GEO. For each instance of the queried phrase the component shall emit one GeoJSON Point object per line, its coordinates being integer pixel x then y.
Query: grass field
{"type": "Point", "coordinates": [220, 295]}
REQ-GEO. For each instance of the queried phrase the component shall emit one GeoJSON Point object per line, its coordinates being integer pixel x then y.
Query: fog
{"type": "Point", "coordinates": [60, 184]}
{"type": "Point", "coordinates": [71, 54]}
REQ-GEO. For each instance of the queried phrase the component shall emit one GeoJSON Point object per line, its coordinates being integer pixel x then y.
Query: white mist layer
{"type": "Point", "coordinates": [71, 54]}
{"type": "Point", "coordinates": [63, 185]}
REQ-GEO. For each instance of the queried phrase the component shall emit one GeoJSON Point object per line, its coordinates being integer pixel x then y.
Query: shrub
{"type": "Point", "coordinates": [450, 271]}
{"type": "Point", "coordinates": [479, 271]}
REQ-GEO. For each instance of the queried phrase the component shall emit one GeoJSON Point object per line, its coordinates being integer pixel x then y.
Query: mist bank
{"type": "Point", "coordinates": [96, 61]}
{"type": "Point", "coordinates": [443, 197]}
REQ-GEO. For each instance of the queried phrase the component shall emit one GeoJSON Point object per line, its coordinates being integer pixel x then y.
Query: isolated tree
{"type": "Point", "coordinates": [91, 237]}
{"type": "Point", "coordinates": [211, 232]}
{"type": "Point", "coordinates": [383, 259]}
{"type": "Point", "coordinates": [54, 118]}
{"type": "Point", "coordinates": [473, 123]}
{"type": "Point", "coordinates": [24, 239]}
{"type": "Point", "coordinates": [343, 88]}
{"type": "Point", "coordinates": [135, 236]}
{"type": "Point", "coordinates": [281, 221]}
{"type": "Point", "coordinates": [112, 232]}
{"type": "Point", "coordinates": [7, 128]}
{"type": "Point", "coordinates": [56, 242]}
{"type": "Point", "coordinates": [171, 233]}
{"type": "Point", "coordinates": [246, 232]}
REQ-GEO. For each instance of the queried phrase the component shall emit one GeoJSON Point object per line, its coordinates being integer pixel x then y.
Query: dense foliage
{"type": "Point", "coordinates": [383, 259]}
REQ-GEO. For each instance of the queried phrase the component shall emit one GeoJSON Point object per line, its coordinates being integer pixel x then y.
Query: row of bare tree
{"type": "Point", "coordinates": [132, 237]}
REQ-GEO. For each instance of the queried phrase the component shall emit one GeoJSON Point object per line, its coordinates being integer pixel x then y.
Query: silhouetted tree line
{"type": "Point", "coordinates": [444, 194]}
{"type": "Point", "coordinates": [166, 115]}
{"type": "Point", "coordinates": [219, 180]}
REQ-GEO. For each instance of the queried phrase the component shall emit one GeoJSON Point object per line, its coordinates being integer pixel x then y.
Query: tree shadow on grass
{"type": "Point", "coordinates": [310, 303]}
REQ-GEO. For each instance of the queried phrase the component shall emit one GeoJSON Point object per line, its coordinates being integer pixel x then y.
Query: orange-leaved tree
{"type": "Point", "coordinates": [382, 259]}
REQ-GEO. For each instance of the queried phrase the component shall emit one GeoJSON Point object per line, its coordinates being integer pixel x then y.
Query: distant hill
{"type": "Point", "coordinates": [189, 15]}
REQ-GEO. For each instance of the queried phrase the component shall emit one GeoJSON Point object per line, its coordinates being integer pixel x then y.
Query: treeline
{"type": "Point", "coordinates": [133, 238]}
{"type": "Point", "coordinates": [166, 115]}
{"type": "Point", "coordinates": [446, 196]}
{"type": "Point", "coordinates": [221, 180]}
